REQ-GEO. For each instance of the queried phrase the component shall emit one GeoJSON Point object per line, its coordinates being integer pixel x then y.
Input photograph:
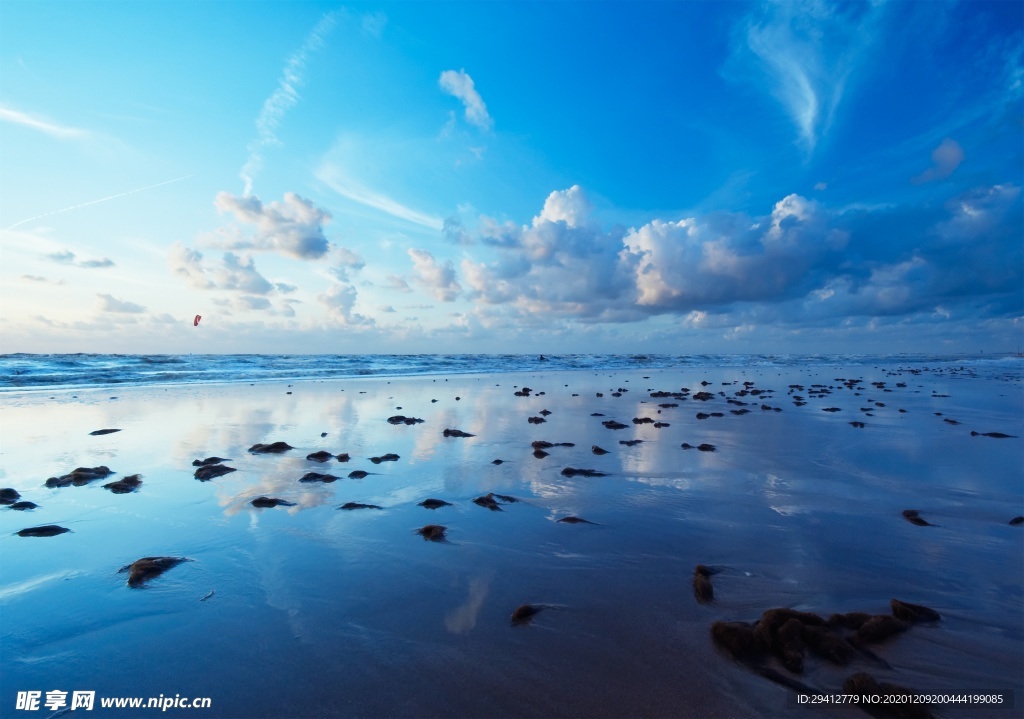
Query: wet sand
{"type": "Point", "coordinates": [321, 612]}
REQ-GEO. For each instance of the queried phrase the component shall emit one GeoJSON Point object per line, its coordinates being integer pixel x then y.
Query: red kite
{"type": "Point", "coordinates": [195, 322]}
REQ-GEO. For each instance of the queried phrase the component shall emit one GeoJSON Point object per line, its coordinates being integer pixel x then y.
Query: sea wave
{"type": "Point", "coordinates": [19, 372]}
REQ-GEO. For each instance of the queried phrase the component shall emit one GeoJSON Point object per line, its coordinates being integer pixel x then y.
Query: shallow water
{"type": "Point", "coordinates": [321, 612]}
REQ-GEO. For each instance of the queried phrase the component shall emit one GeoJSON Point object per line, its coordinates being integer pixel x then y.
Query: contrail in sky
{"type": "Point", "coordinates": [283, 98]}
{"type": "Point", "coordinates": [93, 202]}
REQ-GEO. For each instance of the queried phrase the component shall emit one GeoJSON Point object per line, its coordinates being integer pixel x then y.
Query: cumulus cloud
{"type": "Point", "coordinates": [240, 273]}
{"type": "Point", "coordinates": [339, 299]}
{"type": "Point", "coordinates": [455, 233]}
{"type": "Point", "coordinates": [293, 227]}
{"type": "Point", "coordinates": [807, 53]}
{"type": "Point", "coordinates": [459, 84]}
{"type": "Point", "coordinates": [67, 257]}
{"type": "Point", "coordinates": [109, 303]}
{"type": "Point", "coordinates": [343, 260]}
{"type": "Point", "coordinates": [187, 264]}
{"type": "Point", "coordinates": [800, 262]}
{"type": "Point", "coordinates": [945, 159]}
{"type": "Point", "coordinates": [439, 279]}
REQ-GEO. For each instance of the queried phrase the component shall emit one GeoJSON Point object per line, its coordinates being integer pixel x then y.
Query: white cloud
{"type": "Point", "coordinates": [188, 264]}
{"type": "Point", "coordinates": [239, 273]}
{"type": "Point", "coordinates": [438, 279]}
{"type": "Point", "coordinates": [284, 97]}
{"type": "Point", "coordinates": [332, 176]}
{"type": "Point", "coordinates": [54, 130]}
{"type": "Point", "coordinates": [945, 159]}
{"type": "Point", "coordinates": [293, 227]}
{"type": "Point", "coordinates": [807, 52]}
{"type": "Point", "coordinates": [109, 303]}
{"type": "Point", "coordinates": [340, 299]}
{"type": "Point", "coordinates": [460, 84]}
{"type": "Point", "coordinates": [67, 257]}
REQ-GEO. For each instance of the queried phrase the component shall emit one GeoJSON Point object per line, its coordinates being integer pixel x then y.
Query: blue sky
{"type": "Point", "coordinates": [492, 177]}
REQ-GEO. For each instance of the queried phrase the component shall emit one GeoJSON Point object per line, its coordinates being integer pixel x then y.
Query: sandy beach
{"type": "Point", "coordinates": [312, 611]}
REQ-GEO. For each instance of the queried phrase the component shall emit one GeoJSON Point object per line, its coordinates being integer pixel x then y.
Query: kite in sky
{"type": "Point", "coordinates": [195, 322]}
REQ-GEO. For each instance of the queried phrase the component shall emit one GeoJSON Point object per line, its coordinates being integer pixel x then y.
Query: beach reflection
{"type": "Point", "coordinates": [796, 507]}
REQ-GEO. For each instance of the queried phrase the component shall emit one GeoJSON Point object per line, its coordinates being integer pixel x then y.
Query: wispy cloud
{"type": "Point", "coordinates": [93, 202]}
{"type": "Point", "coordinates": [460, 84]}
{"type": "Point", "coordinates": [333, 178]}
{"type": "Point", "coordinates": [25, 120]}
{"type": "Point", "coordinates": [807, 52]}
{"type": "Point", "coordinates": [284, 98]}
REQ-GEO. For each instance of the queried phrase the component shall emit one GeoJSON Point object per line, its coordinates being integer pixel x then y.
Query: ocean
{"type": "Point", "coordinates": [53, 371]}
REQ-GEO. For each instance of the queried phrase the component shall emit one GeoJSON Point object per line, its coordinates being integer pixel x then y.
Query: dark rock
{"type": "Point", "coordinates": [1017, 521]}
{"type": "Point", "coordinates": [851, 620]}
{"type": "Point", "coordinates": [22, 506]}
{"type": "Point", "coordinates": [434, 503]}
{"type": "Point", "coordinates": [317, 477]}
{"type": "Point", "coordinates": [273, 448]}
{"type": "Point", "coordinates": [790, 645]}
{"type": "Point", "coordinates": [402, 419]}
{"type": "Point", "coordinates": [536, 420]}
{"type": "Point", "coordinates": [209, 460]}
{"type": "Point", "coordinates": [858, 424]}
{"type": "Point", "coordinates": [612, 424]}
{"type": "Point", "coordinates": [488, 502]}
{"type": "Point", "coordinates": [540, 453]}
{"type": "Point", "coordinates": [497, 461]}
{"type": "Point", "coordinates": [432, 532]}
{"type": "Point", "coordinates": [457, 433]}
{"type": "Point", "coordinates": [630, 442]}
{"type": "Point", "coordinates": [204, 474]}
{"type": "Point", "coordinates": [80, 476]}
{"type": "Point", "coordinates": [343, 457]}
{"type": "Point", "coordinates": [913, 516]}
{"type": "Point", "coordinates": [523, 614]}
{"type": "Point", "coordinates": [706, 447]}
{"type": "Point", "coordinates": [357, 474]}
{"type": "Point", "coordinates": [321, 456]}
{"type": "Point", "coordinates": [828, 645]}
{"type": "Point", "coordinates": [126, 485]}
{"type": "Point", "coordinates": [9, 495]}
{"type": "Point", "coordinates": [575, 520]}
{"type": "Point", "coordinates": [385, 458]}
{"type": "Point", "coordinates": [142, 570]}
{"type": "Point", "coordinates": [737, 639]}
{"type": "Point", "coordinates": [47, 530]}
{"type": "Point", "coordinates": [880, 627]}
{"type": "Point", "coordinates": [597, 450]}
{"type": "Point", "coordinates": [545, 412]}
{"type": "Point", "coordinates": [994, 435]}
{"type": "Point", "coordinates": [863, 684]}
{"type": "Point", "coordinates": [703, 592]}
{"type": "Point", "coordinates": [103, 431]}
{"type": "Point", "coordinates": [357, 505]}
{"type": "Point", "coordinates": [572, 472]}
{"type": "Point", "coordinates": [507, 499]}
{"type": "Point", "coordinates": [913, 612]}
{"type": "Point", "coordinates": [271, 502]}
